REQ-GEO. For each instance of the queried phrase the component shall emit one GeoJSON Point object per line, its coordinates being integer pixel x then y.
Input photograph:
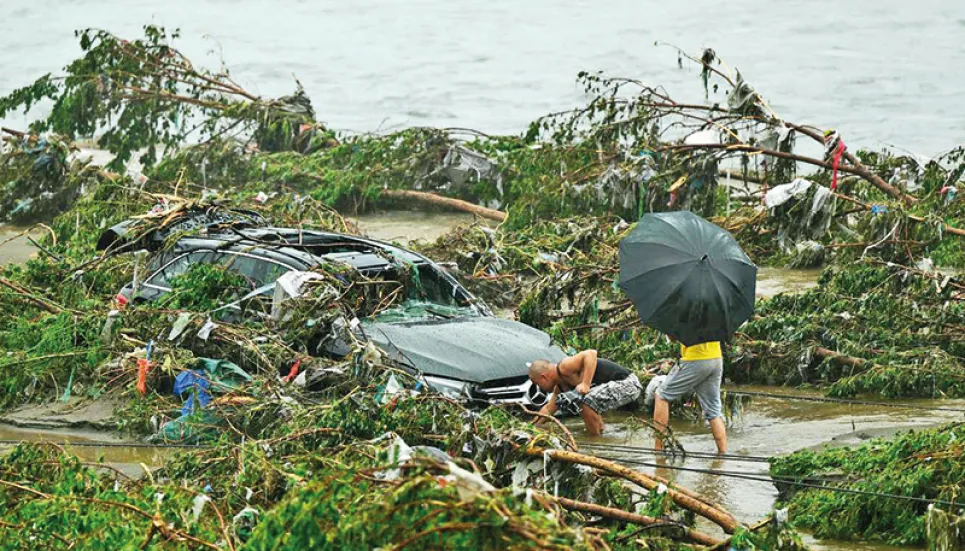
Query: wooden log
{"type": "Point", "coordinates": [686, 500]}
{"type": "Point", "coordinates": [438, 200]}
{"type": "Point", "coordinates": [844, 359]}
{"type": "Point", "coordinates": [12, 132]}
{"type": "Point", "coordinates": [631, 518]}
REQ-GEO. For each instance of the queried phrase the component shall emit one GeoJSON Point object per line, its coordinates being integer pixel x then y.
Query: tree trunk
{"type": "Point", "coordinates": [824, 353]}
{"type": "Point", "coordinates": [438, 200]}
{"type": "Point", "coordinates": [632, 518]}
{"type": "Point", "coordinates": [686, 500]}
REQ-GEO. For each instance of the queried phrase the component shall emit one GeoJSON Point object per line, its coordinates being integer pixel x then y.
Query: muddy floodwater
{"type": "Point", "coordinates": [767, 427]}
{"type": "Point", "coordinates": [14, 246]}
{"type": "Point", "coordinates": [131, 458]}
{"type": "Point", "coordinates": [405, 227]}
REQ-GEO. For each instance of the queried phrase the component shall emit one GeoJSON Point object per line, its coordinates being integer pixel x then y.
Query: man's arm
{"type": "Point", "coordinates": [548, 409]}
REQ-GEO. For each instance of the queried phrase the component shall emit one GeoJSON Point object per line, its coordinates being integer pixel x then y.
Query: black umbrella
{"type": "Point", "coordinates": [687, 277]}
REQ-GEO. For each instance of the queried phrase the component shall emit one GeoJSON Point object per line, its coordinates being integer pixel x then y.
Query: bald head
{"type": "Point", "coordinates": [543, 375]}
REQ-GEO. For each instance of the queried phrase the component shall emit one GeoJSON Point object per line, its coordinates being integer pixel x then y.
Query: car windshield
{"type": "Point", "coordinates": [416, 310]}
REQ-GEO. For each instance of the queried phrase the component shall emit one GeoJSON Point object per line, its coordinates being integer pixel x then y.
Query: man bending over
{"type": "Point", "coordinates": [585, 385]}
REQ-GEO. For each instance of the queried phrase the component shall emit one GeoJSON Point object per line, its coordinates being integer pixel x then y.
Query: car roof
{"type": "Point", "coordinates": [303, 249]}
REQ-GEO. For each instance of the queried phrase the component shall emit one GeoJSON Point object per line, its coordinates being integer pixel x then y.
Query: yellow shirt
{"type": "Point", "coordinates": [702, 351]}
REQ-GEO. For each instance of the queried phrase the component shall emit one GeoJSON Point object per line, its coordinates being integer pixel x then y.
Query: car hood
{"type": "Point", "coordinates": [475, 349]}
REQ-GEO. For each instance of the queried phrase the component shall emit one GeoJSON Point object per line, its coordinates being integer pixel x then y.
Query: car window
{"type": "Point", "coordinates": [431, 285]}
{"type": "Point", "coordinates": [258, 271]}
{"type": "Point", "coordinates": [163, 277]}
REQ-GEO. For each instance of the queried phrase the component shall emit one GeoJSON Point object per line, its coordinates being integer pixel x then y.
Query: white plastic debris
{"type": "Point", "coordinates": [180, 324]}
{"type": "Point", "coordinates": [778, 195]}
{"type": "Point", "coordinates": [780, 516]}
{"type": "Point", "coordinates": [107, 333]}
{"type": "Point", "coordinates": [523, 471]}
{"type": "Point", "coordinates": [206, 330]}
{"type": "Point", "coordinates": [926, 265]}
{"type": "Point", "coordinates": [399, 452]}
{"type": "Point", "coordinates": [469, 484]}
{"type": "Point", "coordinates": [392, 388]}
{"type": "Point", "coordinates": [245, 516]}
{"type": "Point", "coordinates": [198, 505]}
{"type": "Point", "coordinates": [288, 286]}
{"type": "Point", "coordinates": [261, 197]}
{"type": "Point", "coordinates": [703, 137]}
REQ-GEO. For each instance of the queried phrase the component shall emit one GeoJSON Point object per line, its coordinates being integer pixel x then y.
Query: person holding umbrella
{"type": "Point", "coordinates": [689, 279]}
{"type": "Point", "coordinates": [700, 370]}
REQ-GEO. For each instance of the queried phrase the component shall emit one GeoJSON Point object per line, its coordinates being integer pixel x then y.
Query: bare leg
{"type": "Point", "coordinates": [719, 429]}
{"type": "Point", "coordinates": [592, 420]}
{"type": "Point", "coordinates": [661, 416]}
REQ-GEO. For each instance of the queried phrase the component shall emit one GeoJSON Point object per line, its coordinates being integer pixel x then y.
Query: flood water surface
{"type": "Point", "coordinates": [406, 227]}
{"type": "Point", "coordinates": [767, 427]}
{"type": "Point", "coordinates": [131, 458]}
{"type": "Point", "coordinates": [14, 246]}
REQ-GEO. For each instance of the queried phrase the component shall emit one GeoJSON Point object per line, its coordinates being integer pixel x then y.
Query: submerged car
{"type": "Point", "coordinates": [448, 335]}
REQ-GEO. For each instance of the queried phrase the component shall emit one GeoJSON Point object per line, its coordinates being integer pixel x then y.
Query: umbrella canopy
{"type": "Point", "coordinates": [687, 277]}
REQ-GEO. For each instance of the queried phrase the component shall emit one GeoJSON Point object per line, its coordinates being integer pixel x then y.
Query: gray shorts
{"type": "Point", "coordinates": [612, 395]}
{"type": "Point", "coordinates": [700, 376]}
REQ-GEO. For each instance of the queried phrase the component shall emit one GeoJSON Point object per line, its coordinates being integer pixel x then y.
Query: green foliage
{"type": "Point", "coordinates": [926, 464]}
{"type": "Point", "coordinates": [144, 95]}
{"type": "Point", "coordinates": [37, 181]}
{"type": "Point", "coordinates": [67, 505]}
{"type": "Point", "coordinates": [355, 513]}
{"type": "Point", "coordinates": [900, 323]}
{"type": "Point", "coordinates": [204, 287]}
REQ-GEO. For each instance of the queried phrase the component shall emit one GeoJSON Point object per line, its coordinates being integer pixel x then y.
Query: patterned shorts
{"type": "Point", "coordinates": [612, 395]}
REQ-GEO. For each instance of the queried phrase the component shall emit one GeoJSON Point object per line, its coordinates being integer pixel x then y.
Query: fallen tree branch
{"type": "Point", "coordinates": [858, 169]}
{"type": "Point", "coordinates": [686, 500]}
{"type": "Point", "coordinates": [569, 435]}
{"type": "Point", "coordinates": [950, 229]}
{"type": "Point", "coordinates": [438, 200]}
{"type": "Point", "coordinates": [843, 359]}
{"type": "Point", "coordinates": [632, 518]}
{"type": "Point", "coordinates": [30, 297]}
